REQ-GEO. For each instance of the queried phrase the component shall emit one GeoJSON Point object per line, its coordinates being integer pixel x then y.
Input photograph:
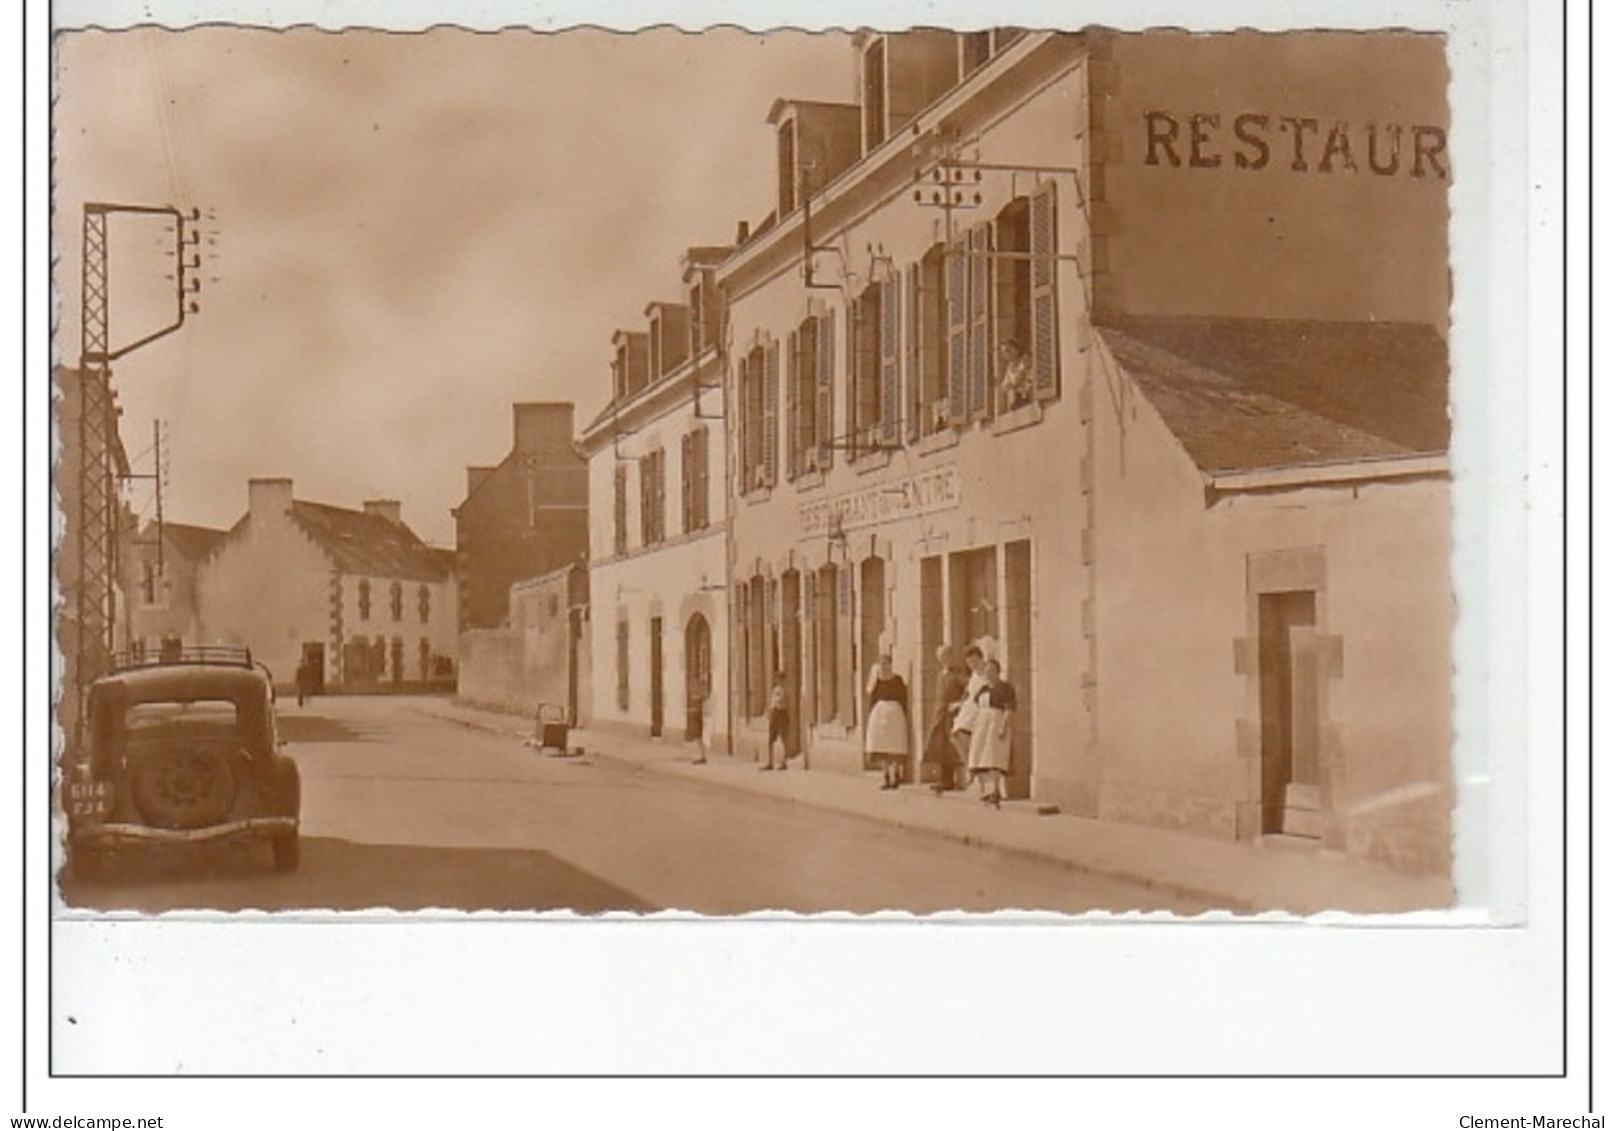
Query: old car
{"type": "Point", "coordinates": [180, 749]}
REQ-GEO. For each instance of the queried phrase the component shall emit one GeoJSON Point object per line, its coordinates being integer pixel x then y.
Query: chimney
{"type": "Point", "coordinates": [474, 477]}
{"type": "Point", "coordinates": [268, 499]}
{"type": "Point", "coordinates": [389, 509]}
{"type": "Point", "coordinates": [742, 232]}
{"type": "Point", "coordinates": [542, 425]}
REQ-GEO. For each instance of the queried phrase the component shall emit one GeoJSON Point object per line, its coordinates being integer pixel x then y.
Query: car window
{"type": "Point", "coordinates": [201, 715]}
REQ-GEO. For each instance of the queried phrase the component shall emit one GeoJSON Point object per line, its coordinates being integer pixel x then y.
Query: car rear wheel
{"type": "Point", "coordinates": [185, 788]}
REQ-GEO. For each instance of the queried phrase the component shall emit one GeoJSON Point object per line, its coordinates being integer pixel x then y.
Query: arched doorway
{"type": "Point", "coordinates": [697, 673]}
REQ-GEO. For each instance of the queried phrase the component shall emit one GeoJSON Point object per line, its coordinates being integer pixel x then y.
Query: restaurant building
{"type": "Point", "coordinates": [1123, 356]}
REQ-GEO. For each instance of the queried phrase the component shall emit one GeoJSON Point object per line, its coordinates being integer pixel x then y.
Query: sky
{"type": "Point", "coordinates": [403, 233]}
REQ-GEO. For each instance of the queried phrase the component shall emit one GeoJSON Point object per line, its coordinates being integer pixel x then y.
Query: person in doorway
{"type": "Point", "coordinates": [940, 753]}
{"type": "Point", "coordinates": [779, 724]}
{"type": "Point", "coordinates": [305, 681]}
{"type": "Point", "coordinates": [886, 733]}
{"type": "Point", "coordinates": [964, 716]}
{"type": "Point", "coordinates": [1015, 384]}
{"type": "Point", "coordinates": [989, 743]}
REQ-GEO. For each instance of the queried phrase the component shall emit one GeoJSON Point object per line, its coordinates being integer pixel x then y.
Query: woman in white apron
{"type": "Point", "coordinates": [886, 735]}
{"type": "Point", "coordinates": [989, 739]}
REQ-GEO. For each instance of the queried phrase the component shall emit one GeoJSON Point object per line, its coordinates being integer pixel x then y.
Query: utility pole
{"type": "Point", "coordinates": [101, 464]}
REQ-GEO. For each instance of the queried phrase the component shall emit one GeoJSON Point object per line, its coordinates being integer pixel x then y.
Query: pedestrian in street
{"type": "Point", "coordinates": [886, 732]}
{"type": "Point", "coordinates": [989, 743]}
{"type": "Point", "coordinates": [940, 753]}
{"type": "Point", "coordinates": [964, 717]}
{"type": "Point", "coordinates": [305, 681]}
{"type": "Point", "coordinates": [779, 724]}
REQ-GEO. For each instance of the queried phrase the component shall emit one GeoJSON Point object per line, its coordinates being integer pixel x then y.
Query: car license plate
{"type": "Point", "coordinates": [89, 799]}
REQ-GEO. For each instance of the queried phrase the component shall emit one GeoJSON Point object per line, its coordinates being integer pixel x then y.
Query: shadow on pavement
{"type": "Point", "coordinates": [339, 875]}
{"type": "Point", "coordinates": [316, 728]}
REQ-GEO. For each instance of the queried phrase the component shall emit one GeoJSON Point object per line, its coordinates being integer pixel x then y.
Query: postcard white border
{"type": "Point", "coordinates": [797, 998]}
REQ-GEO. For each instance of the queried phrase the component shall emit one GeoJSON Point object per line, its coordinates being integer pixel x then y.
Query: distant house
{"type": "Point", "coordinates": [356, 594]}
{"type": "Point", "coordinates": [523, 517]}
{"type": "Point", "coordinates": [161, 570]}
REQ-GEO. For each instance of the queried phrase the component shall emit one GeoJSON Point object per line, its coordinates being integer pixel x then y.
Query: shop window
{"type": "Point", "coordinates": [973, 589]}
{"type": "Point", "coordinates": [395, 600]}
{"type": "Point", "coordinates": [619, 510]}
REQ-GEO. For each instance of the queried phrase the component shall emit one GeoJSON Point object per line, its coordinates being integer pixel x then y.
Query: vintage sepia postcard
{"type": "Point", "coordinates": [945, 472]}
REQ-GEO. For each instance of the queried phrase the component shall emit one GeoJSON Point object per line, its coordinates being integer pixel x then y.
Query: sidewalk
{"type": "Point", "coordinates": [1237, 877]}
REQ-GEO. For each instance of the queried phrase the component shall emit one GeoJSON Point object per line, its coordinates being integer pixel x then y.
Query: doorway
{"type": "Point", "coordinates": [656, 677]}
{"type": "Point", "coordinates": [697, 674]}
{"type": "Point", "coordinates": [1289, 697]}
{"type": "Point", "coordinates": [314, 664]}
{"type": "Point", "coordinates": [790, 597]}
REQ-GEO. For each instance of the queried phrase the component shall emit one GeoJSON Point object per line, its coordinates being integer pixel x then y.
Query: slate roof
{"type": "Point", "coordinates": [369, 544]}
{"type": "Point", "coordinates": [193, 542]}
{"type": "Point", "coordinates": [1243, 394]}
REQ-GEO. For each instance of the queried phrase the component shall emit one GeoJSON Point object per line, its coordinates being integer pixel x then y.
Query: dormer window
{"type": "Point", "coordinates": [631, 364]}
{"type": "Point", "coordinates": [874, 94]}
{"type": "Point", "coordinates": [787, 167]}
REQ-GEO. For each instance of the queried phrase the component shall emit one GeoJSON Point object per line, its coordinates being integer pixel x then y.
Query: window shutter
{"type": "Point", "coordinates": [771, 414]}
{"type": "Point", "coordinates": [687, 480]}
{"type": "Point", "coordinates": [743, 399]}
{"type": "Point", "coordinates": [620, 509]}
{"type": "Point", "coordinates": [646, 497]}
{"type": "Point", "coordinates": [911, 353]}
{"type": "Point", "coordinates": [845, 634]}
{"type": "Point", "coordinates": [658, 493]}
{"type": "Point", "coordinates": [891, 388]}
{"type": "Point", "coordinates": [794, 359]}
{"type": "Point", "coordinates": [958, 332]}
{"type": "Point", "coordinates": [698, 479]}
{"type": "Point", "coordinates": [826, 387]}
{"type": "Point", "coordinates": [1045, 344]}
{"type": "Point", "coordinates": [849, 410]}
{"type": "Point", "coordinates": [980, 344]}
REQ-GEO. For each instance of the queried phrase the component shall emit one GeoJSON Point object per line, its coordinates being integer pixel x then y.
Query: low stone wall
{"type": "Point", "coordinates": [512, 670]}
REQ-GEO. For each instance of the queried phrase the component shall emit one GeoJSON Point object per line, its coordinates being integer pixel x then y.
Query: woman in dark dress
{"type": "Point", "coordinates": [940, 751]}
{"type": "Point", "coordinates": [886, 735]}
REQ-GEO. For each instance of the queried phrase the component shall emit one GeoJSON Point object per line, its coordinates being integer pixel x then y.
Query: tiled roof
{"type": "Point", "coordinates": [369, 544]}
{"type": "Point", "coordinates": [1242, 394]}
{"type": "Point", "coordinates": [194, 542]}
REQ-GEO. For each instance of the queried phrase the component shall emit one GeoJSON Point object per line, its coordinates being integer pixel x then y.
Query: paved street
{"type": "Point", "coordinates": [405, 810]}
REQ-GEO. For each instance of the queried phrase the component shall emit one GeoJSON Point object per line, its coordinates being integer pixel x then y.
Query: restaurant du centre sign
{"type": "Point", "coordinates": [926, 493]}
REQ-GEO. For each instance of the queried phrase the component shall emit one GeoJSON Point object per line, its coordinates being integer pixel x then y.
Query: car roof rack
{"type": "Point", "coordinates": [215, 655]}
